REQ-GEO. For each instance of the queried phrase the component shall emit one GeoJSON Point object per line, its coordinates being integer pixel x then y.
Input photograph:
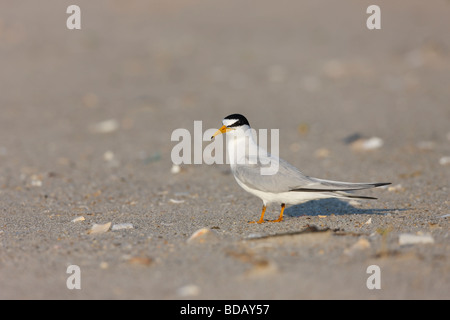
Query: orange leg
{"type": "Point", "coordinates": [280, 218]}
{"type": "Point", "coordinates": [261, 220]}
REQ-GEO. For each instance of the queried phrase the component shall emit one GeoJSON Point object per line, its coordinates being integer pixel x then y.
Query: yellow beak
{"type": "Point", "coordinates": [220, 131]}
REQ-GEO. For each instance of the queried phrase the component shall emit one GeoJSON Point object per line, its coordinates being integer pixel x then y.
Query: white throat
{"type": "Point", "coordinates": [241, 146]}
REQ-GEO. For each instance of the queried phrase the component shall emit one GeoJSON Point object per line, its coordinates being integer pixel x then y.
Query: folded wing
{"type": "Point", "coordinates": [289, 179]}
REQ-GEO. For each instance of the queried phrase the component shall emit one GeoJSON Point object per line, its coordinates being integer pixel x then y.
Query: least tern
{"type": "Point", "coordinates": [287, 185]}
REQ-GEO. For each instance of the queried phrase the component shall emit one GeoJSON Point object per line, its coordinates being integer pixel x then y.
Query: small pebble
{"type": "Point", "coordinates": [367, 144]}
{"type": "Point", "coordinates": [108, 156]}
{"type": "Point", "coordinates": [106, 126]}
{"type": "Point", "coordinates": [444, 161]}
{"type": "Point", "coordinates": [322, 153]}
{"type": "Point", "coordinates": [175, 169]}
{"type": "Point", "coordinates": [372, 143]}
{"type": "Point", "coordinates": [140, 261]}
{"type": "Point", "coordinates": [396, 188]}
{"type": "Point", "coordinates": [122, 226]}
{"type": "Point", "coordinates": [36, 180]}
{"type": "Point", "coordinates": [189, 290]}
{"type": "Point", "coordinates": [78, 219]}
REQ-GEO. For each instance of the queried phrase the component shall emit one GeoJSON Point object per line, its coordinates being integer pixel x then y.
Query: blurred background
{"type": "Point", "coordinates": [153, 66]}
{"type": "Point", "coordinates": [86, 115]}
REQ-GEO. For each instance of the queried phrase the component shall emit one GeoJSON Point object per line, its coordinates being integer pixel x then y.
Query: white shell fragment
{"type": "Point", "coordinates": [367, 144]}
{"type": "Point", "coordinates": [99, 228]}
{"type": "Point", "coordinates": [106, 126]}
{"type": "Point", "coordinates": [189, 290]}
{"type": "Point", "coordinates": [372, 143]}
{"type": "Point", "coordinates": [444, 161]}
{"type": "Point", "coordinates": [122, 226]}
{"type": "Point", "coordinates": [78, 219]}
{"type": "Point", "coordinates": [175, 169]}
{"type": "Point", "coordinates": [176, 201]}
{"type": "Point", "coordinates": [108, 156]}
{"type": "Point", "coordinates": [36, 180]}
{"type": "Point", "coordinates": [396, 188]}
{"type": "Point", "coordinates": [202, 235]}
{"type": "Point", "coordinates": [322, 153]}
{"type": "Point", "coordinates": [408, 238]}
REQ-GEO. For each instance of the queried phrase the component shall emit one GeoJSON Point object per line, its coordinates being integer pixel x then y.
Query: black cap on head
{"type": "Point", "coordinates": [240, 120]}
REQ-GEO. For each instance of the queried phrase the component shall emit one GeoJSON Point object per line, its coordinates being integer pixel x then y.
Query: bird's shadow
{"type": "Point", "coordinates": [331, 206]}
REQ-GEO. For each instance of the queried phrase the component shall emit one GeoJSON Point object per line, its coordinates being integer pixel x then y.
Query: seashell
{"type": "Point", "coordinates": [99, 228]}
{"type": "Point", "coordinates": [78, 219]}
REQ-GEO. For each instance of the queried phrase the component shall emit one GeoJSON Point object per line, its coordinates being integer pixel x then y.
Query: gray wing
{"type": "Point", "coordinates": [289, 178]}
{"type": "Point", "coordinates": [285, 179]}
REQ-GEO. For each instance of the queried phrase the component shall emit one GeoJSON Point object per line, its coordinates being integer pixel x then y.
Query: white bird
{"type": "Point", "coordinates": [287, 185]}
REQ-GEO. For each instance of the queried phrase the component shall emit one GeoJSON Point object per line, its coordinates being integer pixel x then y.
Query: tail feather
{"type": "Point", "coordinates": [341, 189]}
{"type": "Point", "coordinates": [353, 196]}
{"type": "Point", "coordinates": [332, 186]}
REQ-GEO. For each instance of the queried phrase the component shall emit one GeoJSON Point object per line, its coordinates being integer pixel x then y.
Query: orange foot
{"type": "Point", "coordinates": [280, 218]}
{"type": "Point", "coordinates": [261, 220]}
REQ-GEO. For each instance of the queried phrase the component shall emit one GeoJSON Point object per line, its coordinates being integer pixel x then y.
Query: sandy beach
{"type": "Point", "coordinates": [87, 179]}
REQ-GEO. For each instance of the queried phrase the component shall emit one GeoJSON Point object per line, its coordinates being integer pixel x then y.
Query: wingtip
{"type": "Point", "coordinates": [380, 184]}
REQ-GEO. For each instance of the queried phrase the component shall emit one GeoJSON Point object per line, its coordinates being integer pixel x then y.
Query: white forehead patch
{"type": "Point", "coordinates": [229, 122]}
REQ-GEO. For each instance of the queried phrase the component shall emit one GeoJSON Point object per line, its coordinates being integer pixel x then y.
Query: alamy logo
{"type": "Point", "coordinates": [74, 280]}
{"type": "Point", "coordinates": [374, 280]}
{"type": "Point", "coordinates": [74, 20]}
{"type": "Point", "coordinates": [251, 149]}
